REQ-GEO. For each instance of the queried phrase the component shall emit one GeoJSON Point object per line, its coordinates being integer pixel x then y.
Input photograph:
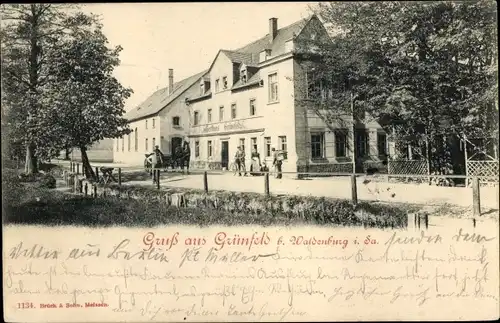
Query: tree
{"type": "Point", "coordinates": [28, 33]}
{"type": "Point", "coordinates": [425, 69]}
{"type": "Point", "coordinates": [85, 101]}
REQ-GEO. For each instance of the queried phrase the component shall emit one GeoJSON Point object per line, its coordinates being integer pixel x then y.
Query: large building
{"type": "Point", "coordinates": [256, 97]}
{"type": "Point", "coordinates": [163, 120]}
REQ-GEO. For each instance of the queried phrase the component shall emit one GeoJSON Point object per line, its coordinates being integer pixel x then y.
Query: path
{"type": "Point", "coordinates": [335, 187]}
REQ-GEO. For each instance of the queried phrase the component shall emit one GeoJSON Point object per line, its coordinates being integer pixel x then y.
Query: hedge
{"type": "Point", "coordinates": [307, 209]}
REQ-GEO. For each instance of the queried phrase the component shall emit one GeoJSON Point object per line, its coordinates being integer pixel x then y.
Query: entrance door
{"type": "Point", "coordinates": [224, 155]}
{"type": "Point", "coordinates": [176, 142]}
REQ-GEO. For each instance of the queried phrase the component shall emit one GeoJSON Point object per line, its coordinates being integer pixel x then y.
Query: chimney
{"type": "Point", "coordinates": [170, 81]}
{"type": "Point", "coordinates": [273, 29]}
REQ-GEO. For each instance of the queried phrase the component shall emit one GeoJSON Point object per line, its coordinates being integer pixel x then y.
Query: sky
{"type": "Point", "coordinates": [183, 36]}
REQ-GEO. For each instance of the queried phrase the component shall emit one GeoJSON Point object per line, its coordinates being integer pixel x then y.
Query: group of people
{"type": "Point", "coordinates": [256, 166]}
{"type": "Point", "coordinates": [180, 157]}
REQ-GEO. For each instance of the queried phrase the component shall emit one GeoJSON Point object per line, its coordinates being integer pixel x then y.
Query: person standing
{"type": "Point", "coordinates": [156, 159]}
{"type": "Point", "coordinates": [240, 160]}
{"type": "Point", "coordinates": [178, 157]}
{"type": "Point", "coordinates": [256, 165]}
{"type": "Point", "coordinates": [277, 162]}
{"type": "Point", "coordinates": [186, 155]}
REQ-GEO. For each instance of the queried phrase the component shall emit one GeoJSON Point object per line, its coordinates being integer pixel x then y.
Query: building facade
{"type": "Point", "coordinates": [256, 97]}
{"type": "Point", "coordinates": [162, 120]}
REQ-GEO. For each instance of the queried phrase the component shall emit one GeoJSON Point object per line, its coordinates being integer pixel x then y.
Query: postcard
{"type": "Point", "coordinates": [247, 162]}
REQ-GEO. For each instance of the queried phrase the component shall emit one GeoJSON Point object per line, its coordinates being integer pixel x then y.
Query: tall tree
{"type": "Point", "coordinates": [86, 102]}
{"type": "Point", "coordinates": [425, 69]}
{"type": "Point", "coordinates": [29, 31]}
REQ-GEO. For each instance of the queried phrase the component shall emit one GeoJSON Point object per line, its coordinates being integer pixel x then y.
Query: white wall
{"type": "Point", "coordinates": [271, 119]}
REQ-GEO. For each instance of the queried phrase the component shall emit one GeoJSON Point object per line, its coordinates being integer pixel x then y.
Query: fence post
{"type": "Point", "coordinates": [412, 221]}
{"type": "Point", "coordinates": [476, 197]}
{"type": "Point", "coordinates": [97, 174]}
{"type": "Point", "coordinates": [205, 182]}
{"type": "Point", "coordinates": [266, 184]}
{"type": "Point", "coordinates": [158, 179]}
{"type": "Point", "coordinates": [354, 190]}
{"type": "Point", "coordinates": [426, 220]}
{"type": "Point", "coordinates": [119, 176]}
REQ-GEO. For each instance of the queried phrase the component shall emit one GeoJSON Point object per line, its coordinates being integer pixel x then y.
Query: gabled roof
{"type": "Point", "coordinates": [254, 79]}
{"type": "Point", "coordinates": [160, 99]}
{"type": "Point", "coordinates": [249, 54]}
{"type": "Point", "coordinates": [278, 45]}
{"type": "Point", "coordinates": [237, 57]}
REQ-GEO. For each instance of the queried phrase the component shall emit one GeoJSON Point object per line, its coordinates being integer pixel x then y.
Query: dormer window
{"type": "Point", "coordinates": [244, 76]}
{"type": "Point", "coordinates": [224, 82]}
{"type": "Point", "coordinates": [202, 88]}
{"type": "Point", "coordinates": [264, 55]}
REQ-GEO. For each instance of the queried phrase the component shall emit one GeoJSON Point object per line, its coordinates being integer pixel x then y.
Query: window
{"type": "Point", "coordinates": [282, 142]}
{"type": "Point", "coordinates": [233, 111]}
{"type": "Point", "coordinates": [224, 83]}
{"type": "Point", "coordinates": [340, 143]}
{"type": "Point", "coordinates": [267, 145]}
{"type": "Point", "coordinates": [217, 85]}
{"type": "Point", "coordinates": [362, 147]}
{"type": "Point", "coordinates": [242, 144]}
{"type": "Point", "coordinates": [252, 107]}
{"type": "Point", "coordinates": [123, 144]}
{"type": "Point", "coordinates": [196, 118]}
{"type": "Point", "coordinates": [273, 87]}
{"type": "Point", "coordinates": [146, 144]}
{"type": "Point", "coordinates": [221, 113]}
{"type": "Point", "coordinates": [243, 73]}
{"type": "Point", "coordinates": [176, 121]}
{"type": "Point", "coordinates": [209, 115]}
{"type": "Point", "coordinates": [128, 142]}
{"type": "Point", "coordinates": [154, 143]}
{"type": "Point", "coordinates": [317, 145]}
{"type": "Point", "coordinates": [136, 140]}
{"type": "Point", "coordinates": [209, 148]}
{"type": "Point", "coordinates": [382, 144]}
{"type": "Point", "coordinates": [153, 123]}
{"type": "Point", "coordinates": [253, 142]}
{"type": "Point", "coordinates": [197, 148]}
{"type": "Point", "coordinates": [146, 124]}
{"type": "Point", "coordinates": [202, 89]}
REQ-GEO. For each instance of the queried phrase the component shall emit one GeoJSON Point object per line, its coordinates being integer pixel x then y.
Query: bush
{"type": "Point", "coordinates": [247, 206]}
{"type": "Point", "coordinates": [29, 178]}
{"type": "Point", "coordinates": [145, 206]}
{"type": "Point", "coordinates": [47, 181]}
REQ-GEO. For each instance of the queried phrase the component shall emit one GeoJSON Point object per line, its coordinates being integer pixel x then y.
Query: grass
{"type": "Point", "coordinates": [54, 208]}
{"type": "Point", "coordinates": [28, 203]}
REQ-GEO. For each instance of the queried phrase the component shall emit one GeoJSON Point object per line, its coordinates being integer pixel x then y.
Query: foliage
{"type": "Point", "coordinates": [254, 208]}
{"type": "Point", "coordinates": [48, 181]}
{"type": "Point", "coordinates": [426, 70]}
{"type": "Point", "coordinates": [29, 32]}
{"type": "Point", "coordinates": [57, 87]}
{"type": "Point", "coordinates": [84, 95]}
